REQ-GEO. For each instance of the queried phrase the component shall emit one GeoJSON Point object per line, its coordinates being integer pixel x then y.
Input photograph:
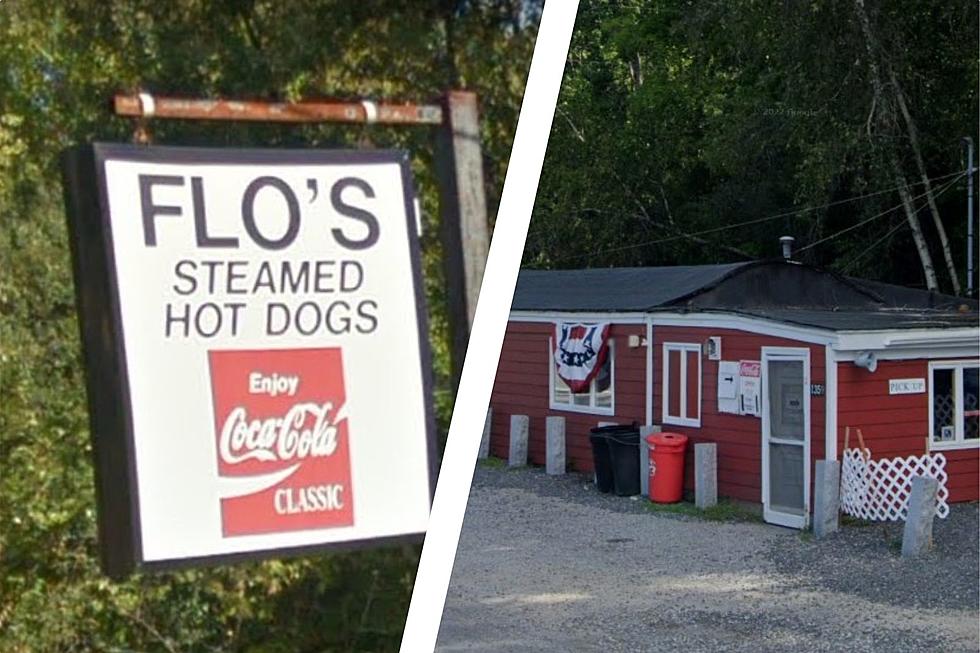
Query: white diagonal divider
{"type": "Point", "coordinates": [879, 490]}
{"type": "Point", "coordinates": [496, 295]}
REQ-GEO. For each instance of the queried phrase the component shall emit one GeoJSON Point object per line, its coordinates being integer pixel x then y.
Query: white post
{"type": "Point", "coordinates": [519, 425]}
{"type": "Point", "coordinates": [826, 498]}
{"type": "Point", "coordinates": [554, 445]}
{"type": "Point", "coordinates": [649, 429]}
{"type": "Point", "coordinates": [917, 535]}
{"type": "Point", "coordinates": [706, 475]}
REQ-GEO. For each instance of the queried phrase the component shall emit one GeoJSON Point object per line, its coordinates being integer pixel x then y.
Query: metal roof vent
{"type": "Point", "coordinates": [787, 244]}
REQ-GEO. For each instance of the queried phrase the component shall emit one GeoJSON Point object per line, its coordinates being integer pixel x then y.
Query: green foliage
{"type": "Point", "coordinates": [493, 462]}
{"type": "Point", "coordinates": [677, 119]}
{"type": "Point", "coordinates": [723, 511]}
{"type": "Point", "coordinates": [60, 63]}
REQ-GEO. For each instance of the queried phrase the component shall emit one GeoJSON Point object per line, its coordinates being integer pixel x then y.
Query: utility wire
{"type": "Point", "coordinates": [746, 223]}
{"type": "Point", "coordinates": [850, 264]}
{"type": "Point", "coordinates": [874, 217]}
{"type": "Point", "coordinates": [808, 209]}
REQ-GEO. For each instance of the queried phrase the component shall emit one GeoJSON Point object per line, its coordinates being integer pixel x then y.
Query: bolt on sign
{"type": "Point", "coordinates": [255, 338]}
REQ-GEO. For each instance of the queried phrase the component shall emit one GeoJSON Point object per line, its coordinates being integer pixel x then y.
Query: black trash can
{"type": "Point", "coordinates": [624, 454]}
{"type": "Point", "coordinates": [603, 458]}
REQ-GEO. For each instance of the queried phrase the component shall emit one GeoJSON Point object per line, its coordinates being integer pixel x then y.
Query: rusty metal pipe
{"type": "Point", "coordinates": [144, 105]}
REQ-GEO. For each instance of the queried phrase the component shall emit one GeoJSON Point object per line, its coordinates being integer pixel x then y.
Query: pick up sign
{"type": "Point", "coordinates": [255, 341]}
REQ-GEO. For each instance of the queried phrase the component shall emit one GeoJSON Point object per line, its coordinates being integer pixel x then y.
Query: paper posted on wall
{"type": "Point", "coordinates": [728, 385]}
{"type": "Point", "coordinates": [750, 387]}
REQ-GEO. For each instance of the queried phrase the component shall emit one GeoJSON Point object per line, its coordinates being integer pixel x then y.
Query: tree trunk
{"type": "Point", "coordinates": [920, 242]}
{"type": "Point", "coordinates": [449, 29]}
{"type": "Point", "coordinates": [885, 111]}
{"type": "Point", "coordinates": [914, 140]}
{"type": "Point", "coordinates": [636, 71]}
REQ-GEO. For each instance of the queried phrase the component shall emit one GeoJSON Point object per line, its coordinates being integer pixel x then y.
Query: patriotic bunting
{"type": "Point", "coordinates": [580, 350]}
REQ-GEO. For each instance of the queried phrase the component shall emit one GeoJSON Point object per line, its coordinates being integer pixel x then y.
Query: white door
{"type": "Point", "coordinates": [786, 436]}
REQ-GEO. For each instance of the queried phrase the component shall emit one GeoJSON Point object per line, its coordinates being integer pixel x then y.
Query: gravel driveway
{"type": "Point", "coordinates": [548, 564]}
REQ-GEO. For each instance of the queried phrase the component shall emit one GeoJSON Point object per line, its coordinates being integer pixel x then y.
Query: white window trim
{"type": "Point", "coordinates": [959, 442]}
{"type": "Point", "coordinates": [684, 420]}
{"type": "Point", "coordinates": [591, 409]}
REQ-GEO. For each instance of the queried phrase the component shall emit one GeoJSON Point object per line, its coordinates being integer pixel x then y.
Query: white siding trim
{"type": "Point", "coordinates": [889, 344]}
{"type": "Point", "coordinates": [938, 350]}
{"type": "Point", "coordinates": [830, 401]}
{"type": "Point", "coordinates": [648, 402]}
{"type": "Point", "coordinates": [744, 323]}
{"type": "Point", "coordinates": [580, 316]}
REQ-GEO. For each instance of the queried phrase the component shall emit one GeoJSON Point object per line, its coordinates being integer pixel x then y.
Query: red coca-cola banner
{"type": "Point", "coordinates": [282, 441]}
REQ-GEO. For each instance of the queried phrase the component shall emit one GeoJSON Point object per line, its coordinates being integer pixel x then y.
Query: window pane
{"type": "Point", "coordinates": [786, 478]}
{"type": "Point", "coordinates": [787, 403]}
{"type": "Point", "coordinates": [562, 393]}
{"type": "Point", "coordinates": [971, 409]}
{"type": "Point", "coordinates": [673, 383]}
{"type": "Point", "coordinates": [603, 384]}
{"type": "Point", "coordinates": [604, 399]}
{"type": "Point", "coordinates": [943, 406]}
{"type": "Point", "coordinates": [693, 394]}
{"type": "Point", "coordinates": [581, 398]}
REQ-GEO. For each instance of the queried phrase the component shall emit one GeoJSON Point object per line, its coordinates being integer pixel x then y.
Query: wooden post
{"type": "Point", "coordinates": [464, 231]}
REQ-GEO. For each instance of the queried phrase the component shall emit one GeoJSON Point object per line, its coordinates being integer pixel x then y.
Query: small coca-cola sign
{"type": "Point", "coordinates": [282, 440]}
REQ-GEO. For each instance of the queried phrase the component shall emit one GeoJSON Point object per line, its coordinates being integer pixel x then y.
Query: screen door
{"type": "Point", "coordinates": [786, 436]}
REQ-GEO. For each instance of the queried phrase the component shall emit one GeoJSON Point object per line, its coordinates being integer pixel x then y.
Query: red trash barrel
{"type": "Point", "coordinates": [666, 466]}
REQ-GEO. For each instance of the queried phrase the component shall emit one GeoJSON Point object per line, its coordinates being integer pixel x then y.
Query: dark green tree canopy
{"type": "Point", "coordinates": [692, 132]}
{"type": "Point", "coordinates": [60, 64]}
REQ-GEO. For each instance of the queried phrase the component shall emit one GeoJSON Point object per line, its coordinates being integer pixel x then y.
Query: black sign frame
{"type": "Point", "coordinates": [104, 355]}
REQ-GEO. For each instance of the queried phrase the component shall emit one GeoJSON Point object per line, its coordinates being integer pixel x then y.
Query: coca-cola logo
{"type": "Point", "coordinates": [281, 440]}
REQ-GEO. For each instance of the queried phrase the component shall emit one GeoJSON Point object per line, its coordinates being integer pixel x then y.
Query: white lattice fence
{"type": "Point", "coordinates": [879, 490]}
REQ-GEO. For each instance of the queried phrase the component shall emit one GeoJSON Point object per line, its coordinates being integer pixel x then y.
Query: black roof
{"type": "Point", "coordinates": [613, 289]}
{"type": "Point", "coordinates": [779, 290]}
{"type": "Point", "coordinates": [871, 319]}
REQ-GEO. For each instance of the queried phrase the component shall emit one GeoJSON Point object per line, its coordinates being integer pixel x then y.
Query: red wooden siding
{"type": "Point", "coordinates": [898, 425]}
{"type": "Point", "coordinates": [521, 388]}
{"type": "Point", "coordinates": [893, 425]}
{"type": "Point", "coordinates": [739, 437]}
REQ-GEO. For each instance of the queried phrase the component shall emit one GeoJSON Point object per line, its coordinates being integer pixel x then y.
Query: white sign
{"type": "Point", "coordinates": [906, 386]}
{"type": "Point", "coordinates": [271, 321]}
{"type": "Point", "coordinates": [728, 382]}
{"type": "Point", "coordinates": [750, 387]}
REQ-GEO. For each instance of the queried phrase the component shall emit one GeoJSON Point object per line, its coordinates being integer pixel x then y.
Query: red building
{"type": "Point", "coordinates": [770, 360]}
